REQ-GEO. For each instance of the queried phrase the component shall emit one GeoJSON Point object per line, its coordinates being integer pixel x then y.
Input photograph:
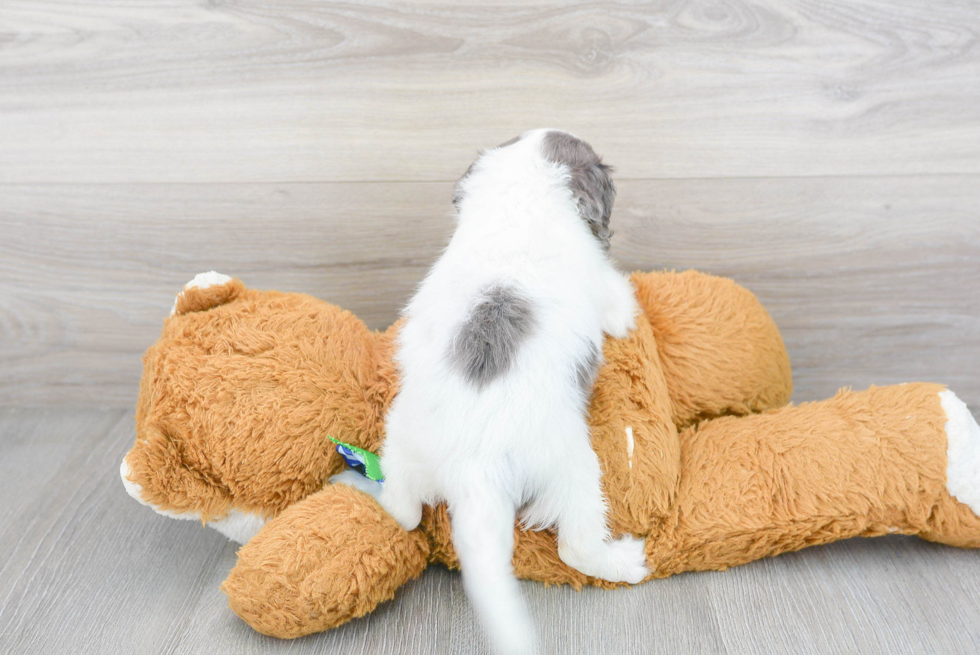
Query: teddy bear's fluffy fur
{"type": "Point", "coordinates": [698, 451]}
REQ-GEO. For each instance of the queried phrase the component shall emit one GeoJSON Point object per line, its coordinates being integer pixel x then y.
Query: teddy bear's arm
{"type": "Point", "coordinates": [329, 558]}
{"type": "Point", "coordinates": [721, 351]}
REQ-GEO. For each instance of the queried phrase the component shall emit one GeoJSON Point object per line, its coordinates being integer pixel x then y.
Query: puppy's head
{"type": "Point", "coordinates": [548, 151]}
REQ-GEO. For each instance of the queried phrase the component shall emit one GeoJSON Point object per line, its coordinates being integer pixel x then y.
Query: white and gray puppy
{"type": "Point", "coordinates": [497, 357]}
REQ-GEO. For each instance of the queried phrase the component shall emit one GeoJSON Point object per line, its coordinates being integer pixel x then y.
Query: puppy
{"type": "Point", "coordinates": [497, 356]}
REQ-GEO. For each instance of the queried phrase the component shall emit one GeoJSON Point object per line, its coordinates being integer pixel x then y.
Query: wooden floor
{"type": "Point", "coordinates": [823, 153]}
{"type": "Point", "coordinates": [88, 570]}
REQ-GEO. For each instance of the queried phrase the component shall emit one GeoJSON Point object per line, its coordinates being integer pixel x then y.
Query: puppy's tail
{"type": "Point", "coordinates": [483, 535]}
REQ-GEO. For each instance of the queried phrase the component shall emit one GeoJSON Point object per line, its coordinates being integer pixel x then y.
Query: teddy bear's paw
{"type": "Point", "coordinates": [963, 451]}
{"type": "Point", "coordinates": [200, 282]}
{"type": "Point", "coordinates": [619, 560]}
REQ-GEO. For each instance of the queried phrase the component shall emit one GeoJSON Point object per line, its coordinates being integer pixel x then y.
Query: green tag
{"type": "Point", "coordinates": [363, 461]}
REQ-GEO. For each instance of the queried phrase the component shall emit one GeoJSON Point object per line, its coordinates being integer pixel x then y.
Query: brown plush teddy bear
{"type": "Point", "coordinates": [699, 455]}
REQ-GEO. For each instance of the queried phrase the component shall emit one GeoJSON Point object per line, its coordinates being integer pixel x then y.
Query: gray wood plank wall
{"type": "Point", "coordinates": [872, 280]}
{"type": "Point", "coordinates": [824, 154]}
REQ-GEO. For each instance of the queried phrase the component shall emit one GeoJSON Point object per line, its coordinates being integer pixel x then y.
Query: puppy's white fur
{"type": "Point", "coordinates": [518, 445]}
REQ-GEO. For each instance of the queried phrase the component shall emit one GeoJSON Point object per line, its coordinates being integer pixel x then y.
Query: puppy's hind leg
{"type": "Point", "coordinates": [399, 495]}
{"type": "Point", "coordinates": [584, 541]}
{"type": "Point", "coordinates": [483, 536]}
{"type": "Point", "coordinates": [401, 503]}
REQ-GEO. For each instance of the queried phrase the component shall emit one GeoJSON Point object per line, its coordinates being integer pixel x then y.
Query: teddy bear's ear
{"type": "Point", "coordinates": [205, 291]}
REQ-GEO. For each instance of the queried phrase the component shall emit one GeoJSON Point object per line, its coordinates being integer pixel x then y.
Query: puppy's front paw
{"type": "Point", "coordinates": [619, 327]}
{"type": "Point", "coordinates": [621, 312]}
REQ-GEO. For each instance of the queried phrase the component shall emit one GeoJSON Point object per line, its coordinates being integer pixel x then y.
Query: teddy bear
{"type": "Point", "coordinates": [245, 392]}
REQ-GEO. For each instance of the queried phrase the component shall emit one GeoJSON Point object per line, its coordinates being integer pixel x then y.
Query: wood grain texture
{"type": "Point", "coordinates": [823, 153]}
{"type": "Point", "coordinates": [253, 91]}
{"type": "Point", "coordinates": [88, 570]}
{"type": "Point", "coordinates": [83, 571]}
{"type": "Point", "coordinates": [871, 280]}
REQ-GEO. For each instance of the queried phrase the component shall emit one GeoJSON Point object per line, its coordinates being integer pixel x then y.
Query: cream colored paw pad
{"type": "Point", "coordinates": [962, 451]}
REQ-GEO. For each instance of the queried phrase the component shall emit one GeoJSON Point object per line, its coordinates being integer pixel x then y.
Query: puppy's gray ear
{"type": "Point", "coordinates": [590, 182]}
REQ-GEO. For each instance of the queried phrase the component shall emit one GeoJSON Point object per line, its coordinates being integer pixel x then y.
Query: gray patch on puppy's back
{"type": "Point", "coordinates": [591, 183]}
{"type": "Point", "coordinates": [587, 369]}
{"type": "Point", "coordinates": [488, 341]}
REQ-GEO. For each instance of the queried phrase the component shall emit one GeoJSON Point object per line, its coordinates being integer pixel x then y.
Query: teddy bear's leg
{"type": "Point", "coordinates": [898, 459]}
{"type": "Point", "coordinates": [326, 559]}
{"type": "Point", "coordinates": [721, 351]}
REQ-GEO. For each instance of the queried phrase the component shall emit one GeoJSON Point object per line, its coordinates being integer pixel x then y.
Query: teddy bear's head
{"type": "Point", "coordinates": [238, 397]}
{"type": "Point", "coordinates": [242, 389]}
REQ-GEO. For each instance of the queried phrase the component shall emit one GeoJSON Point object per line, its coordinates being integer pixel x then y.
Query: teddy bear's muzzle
{"type": "Point", "coordinates": [237, 525]}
